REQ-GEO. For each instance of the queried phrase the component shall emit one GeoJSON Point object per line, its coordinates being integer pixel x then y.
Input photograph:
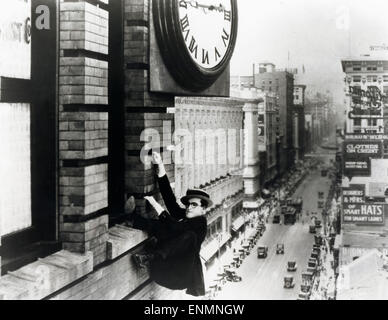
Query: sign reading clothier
{"type": "Point", "coordinates": [357, 155]}
{"type": "Point", "coordinates": [355, 210]}
{"type": "Point", "coordinates": [361, 149]}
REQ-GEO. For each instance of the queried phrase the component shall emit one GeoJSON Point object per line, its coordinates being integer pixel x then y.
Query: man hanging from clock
{"type": "Point", "coordinates": [175, 262]}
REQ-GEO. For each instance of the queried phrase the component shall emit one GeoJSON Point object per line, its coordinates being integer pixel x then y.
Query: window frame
{"type": "Point", "coordinates": [40, 92]}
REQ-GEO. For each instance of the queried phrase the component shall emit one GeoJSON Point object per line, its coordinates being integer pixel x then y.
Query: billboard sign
{"type": "Point", "coordinates": [364, 213]}
{"type": "Point", "coordinates": [357, 168]}
{"type": "Point", "coordinates": [357, 155]}
{"type": "Point", "coordinates": [355, 210]}
{"type": "Point", "coordinates": [359, 136]}
{"type": "Point", "coordinates": [355, 149]}
{"type": "Point", "coordinates": [366, 103]}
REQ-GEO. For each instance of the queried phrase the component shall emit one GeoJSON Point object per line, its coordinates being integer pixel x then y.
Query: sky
{"type": "Point", "coordinates": [315, 34]}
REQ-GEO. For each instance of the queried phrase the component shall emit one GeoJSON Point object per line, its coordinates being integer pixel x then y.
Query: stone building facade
{"type": "Point", "coordinates": [209, 137]}
{"type": "Point", "coordinates": [268, 123]}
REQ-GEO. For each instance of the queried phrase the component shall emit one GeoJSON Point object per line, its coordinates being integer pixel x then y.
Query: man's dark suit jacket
{"type": "Point", "coordinates": [183, 271]}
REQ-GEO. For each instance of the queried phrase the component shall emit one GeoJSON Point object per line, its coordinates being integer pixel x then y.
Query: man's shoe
{"type": "Point", "coordinates": [142, 260]}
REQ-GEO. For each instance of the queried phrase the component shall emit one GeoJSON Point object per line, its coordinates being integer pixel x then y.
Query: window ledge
{"type": "Point", "coordinates": [41, 278]}
{"type": "Point", "coordinates": [122, 239]}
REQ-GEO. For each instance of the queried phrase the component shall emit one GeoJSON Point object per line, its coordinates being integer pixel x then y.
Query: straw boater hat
{"type": "Point", "coordinates": [196, 193]}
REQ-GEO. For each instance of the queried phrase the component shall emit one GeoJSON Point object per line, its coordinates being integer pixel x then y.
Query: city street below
{"type": "Point", "coordinates": [263, 278]}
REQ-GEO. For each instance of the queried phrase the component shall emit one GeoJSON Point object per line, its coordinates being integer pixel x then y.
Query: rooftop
{"type": "Point", "coordinates": [364, 279]}
{"type": "Point", "coordinates": [364, 239]}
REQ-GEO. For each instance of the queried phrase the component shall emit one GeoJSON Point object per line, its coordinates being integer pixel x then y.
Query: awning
{"type": "Point", "coordinates": [237, 224]}
{"type": "Point", "coordinates": [210, 249]}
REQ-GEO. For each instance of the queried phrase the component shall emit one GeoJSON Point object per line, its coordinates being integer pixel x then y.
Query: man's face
{"type": "Point", "coordinates": [194, 208]}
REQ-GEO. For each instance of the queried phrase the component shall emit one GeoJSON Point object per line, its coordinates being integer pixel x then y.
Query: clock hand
{"type": "Point", "coordinates": [197, 5]}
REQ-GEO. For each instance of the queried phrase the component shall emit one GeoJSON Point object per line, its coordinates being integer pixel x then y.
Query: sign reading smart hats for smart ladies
{"type": "Point", "coordinates": [356, 210]}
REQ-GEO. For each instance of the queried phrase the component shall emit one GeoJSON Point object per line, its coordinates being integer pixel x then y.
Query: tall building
{"type": "Point", "coordinates": [76, 132]}
{"type": "Point", "coordinates": [281, 83]}
{"type": "Point", "coordinates": [365, 161]}
{"type": "Point", "coordinates": [209, 155]}
{"type": "Point", "coordinates": [366, 78]}
{"type": "Point", "coordinates": [298, 121]}
{"type": "Point", "coordinates": [268, 118]}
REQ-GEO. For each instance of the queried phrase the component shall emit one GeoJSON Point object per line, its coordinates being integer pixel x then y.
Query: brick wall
{"type": "Point", "coordinates": [146, 116]}
{"type": "Point", "coordinates": [83, 155]}
{"type": "Point", "coordinates": [83, 125]}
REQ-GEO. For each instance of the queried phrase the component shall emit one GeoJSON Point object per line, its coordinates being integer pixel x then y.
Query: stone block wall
{"type": "Point", "coordinates": [146, 119]}
{"type": "Point", "coordinates": [83, 125]}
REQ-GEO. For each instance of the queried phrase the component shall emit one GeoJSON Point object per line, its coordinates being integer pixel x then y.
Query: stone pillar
{"type": "Point", "coordinates": [251, 164]}
{"type": "Point", "coordinates": [83, 128]}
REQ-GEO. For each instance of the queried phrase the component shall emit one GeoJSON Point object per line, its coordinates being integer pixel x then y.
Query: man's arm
{"type": "Point", "coordinates": [165, 189]}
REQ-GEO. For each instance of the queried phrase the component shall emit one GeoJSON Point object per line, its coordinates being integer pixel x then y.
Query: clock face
{"type": "Point", "coordinates": [196, 39]}
{"type": "Point", "coordinates": [206, 26]}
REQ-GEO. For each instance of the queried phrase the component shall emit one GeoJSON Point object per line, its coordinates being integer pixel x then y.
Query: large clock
{"type": "Point", "coordinates": [196, 38]}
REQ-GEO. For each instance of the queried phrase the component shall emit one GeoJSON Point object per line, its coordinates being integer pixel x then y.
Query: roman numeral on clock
{"type": "Point", "coordinates": [185, 26]}
{"type": "Point", "coordinates": [193, 47]}
{"type": "Point", "coordinates": [205, 56]}
{"type": "Point", "coordinates": [183, 4]}
{"type": "Point", "coordinates": [185, 23]}
{"type": "Point", "coordinates": [216, 53]}
{"type": "Point", "coordinates": [227, 15]}
{"type": "Point", "coordinates": [225, 37]}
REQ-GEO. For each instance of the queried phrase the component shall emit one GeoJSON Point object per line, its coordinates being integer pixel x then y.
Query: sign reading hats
{"type": "Point", "coordinates": [196, 193]}
{"type": "Point", "coordinates": [356, 210]}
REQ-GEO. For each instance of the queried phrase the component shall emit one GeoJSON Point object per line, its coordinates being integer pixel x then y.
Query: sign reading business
{"type": "Point", "coordinates": [355, 210]}
{"type": "Point", "coordinates": [358, 136]}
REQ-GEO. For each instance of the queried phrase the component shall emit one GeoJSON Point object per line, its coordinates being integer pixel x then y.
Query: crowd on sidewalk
{"type": "Point", "coordinates": [324, 286]}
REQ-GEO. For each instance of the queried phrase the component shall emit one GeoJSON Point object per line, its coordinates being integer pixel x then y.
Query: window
{"type": "Point", "coordinates": [28, 204]}
{"type": "Point", "coordinates": [357, 68]}
{"type": "Point", "coordinates": [371, 79]}
{"type": "Point", "coordinates": [219, 224]}
{"type": "Point", "coordinates": [372, 122]}
{"type": "Point", "coordinates": [371, 68]}
{"type": "Point", "coordinates": [356, 78]}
